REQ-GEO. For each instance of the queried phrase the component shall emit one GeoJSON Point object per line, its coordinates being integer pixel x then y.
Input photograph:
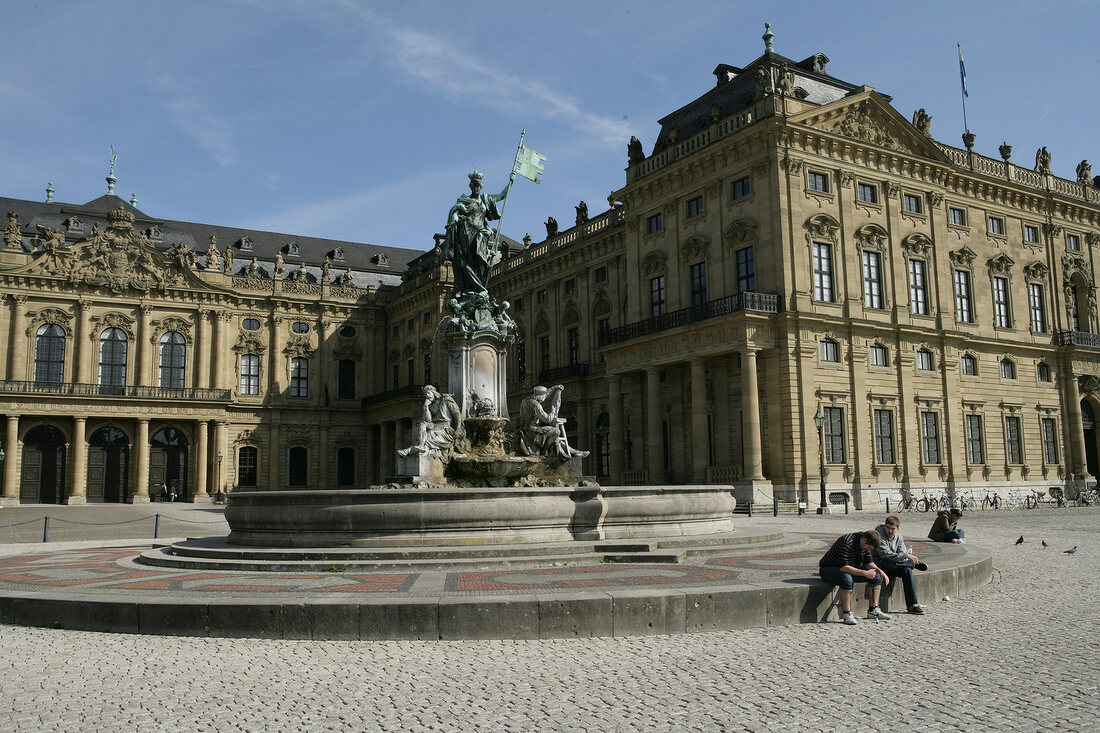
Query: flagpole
{"type": "Point", "coordinates": [504, 204]}
{"type": "Point", "coordinates": [962, 81]}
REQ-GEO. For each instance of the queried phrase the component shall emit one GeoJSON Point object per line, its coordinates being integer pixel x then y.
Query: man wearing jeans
{"type": "Point", "coordinates": [848, 562]}
{"type": "Point", "coordinates": [896, 561]}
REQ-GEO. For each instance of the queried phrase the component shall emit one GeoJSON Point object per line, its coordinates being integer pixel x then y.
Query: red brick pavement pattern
{"type": "Point", "coordinates": [595, 576]}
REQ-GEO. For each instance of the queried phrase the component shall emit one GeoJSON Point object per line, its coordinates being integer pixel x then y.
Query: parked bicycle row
{"type": "Point", "coordinates": [1012, 499]}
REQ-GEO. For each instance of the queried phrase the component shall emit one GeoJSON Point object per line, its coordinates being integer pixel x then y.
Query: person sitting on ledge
{"type": "Point", "coordinates": [895, 560]}
{"type": "Point", "coordinates": [945, 528]}
{"type": "Point", "coordinates": [848, 562]}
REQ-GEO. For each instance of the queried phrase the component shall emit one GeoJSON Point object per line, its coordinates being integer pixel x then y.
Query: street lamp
{"type": "Point", "coordinates": [819, 421]}
{"type": "Point", "coordinates": [218, 479]}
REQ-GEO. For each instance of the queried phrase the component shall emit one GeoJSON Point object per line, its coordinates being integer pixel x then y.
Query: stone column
{"type": "Point", "coordinates": [1076, 431]}
{"type": "Point", "coordinates": [322, 366]}
{"type": "Point", "coordinates": [274, 453]}
{"type": "Point", "coordinates": [700, 440]}
{"type": "Point", "coordinates": [140, 493]}
{"type": "Point", "coordinates": [615, 425]}
{"type": "Point", "coordinates": [202, 349]}
{"type": "Point", "coordinates": [78, 491]}
{"type": "Point", "coordinates": [13, 449]}
{"type": "Point", "coordinates": [17, 368]}
{"type": "Point", "coordinates": [653, 425]}
{"type": "Point", "coordinates": [750, 416]}
{"type": "Point", "coordinates": [202, 461]}
{"type": "Point", "coordinates": [84, 345]}
{"type": "Point", "coordinates": [146, 349]}
{"type": "Point", "coordinates": [219, 379]}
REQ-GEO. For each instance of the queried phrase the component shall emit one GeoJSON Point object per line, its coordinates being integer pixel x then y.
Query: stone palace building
{"type": "Point", "coordinates": [791, 247]}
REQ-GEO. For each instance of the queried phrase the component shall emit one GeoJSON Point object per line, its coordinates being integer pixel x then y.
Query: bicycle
{"type": "Point", "coordinates": [966, 501]}
{"type": "Point", "coordinates": [1085, 497]}
{"type": "Point", "coordinates": [924, 503]}
{"type": "Point", "coordinates": [1038, 496]}
{"type": "Point", "coordinates": [906, 503]}
{"type": "Point", "coordinates": [991, 502]}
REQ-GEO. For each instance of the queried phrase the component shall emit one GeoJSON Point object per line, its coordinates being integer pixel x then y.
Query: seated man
{"type": "Point", "coordinates": [847, 562]}
{"type": "Point", "coordinates": [946, 527]}
{"type": "Point", "coordinates": [894, 559]}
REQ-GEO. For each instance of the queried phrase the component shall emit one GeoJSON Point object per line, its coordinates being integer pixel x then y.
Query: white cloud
{"type": "Point", "coordinates": [192, 115]}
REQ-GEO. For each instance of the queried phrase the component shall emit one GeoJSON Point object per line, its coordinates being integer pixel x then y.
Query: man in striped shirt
{"type": "Point", "coordinates": [848, 562]}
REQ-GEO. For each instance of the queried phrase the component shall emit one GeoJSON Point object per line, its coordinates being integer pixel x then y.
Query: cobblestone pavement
{"type": "Point", "coordinates": [1021, 654]}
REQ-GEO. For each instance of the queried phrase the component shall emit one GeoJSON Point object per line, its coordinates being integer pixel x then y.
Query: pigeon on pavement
{"type": "Point", "coordinates": [1044, 543]}
{"type": "Point", "coordinates": [1020, 541]}
{"type": "Point", "coordinates": [1070, 552]}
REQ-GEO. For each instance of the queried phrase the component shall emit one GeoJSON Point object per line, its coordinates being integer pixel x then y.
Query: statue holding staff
{"type": "Point", "coordinates": [470, 243]}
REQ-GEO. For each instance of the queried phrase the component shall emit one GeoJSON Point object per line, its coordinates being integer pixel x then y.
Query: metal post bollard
{"type": "Point", "coordinates": [156, 527]}
{"type": "Point", "coordinates": [775, 506]}
{"type": "Point", "coordinates": [847, 501]}
{"type": "Point", "coordinates": [750, 507]}
{"type": "Point", "coordinates": [888, 505]}
{"type": "Point", "coordinates": [46, 528]}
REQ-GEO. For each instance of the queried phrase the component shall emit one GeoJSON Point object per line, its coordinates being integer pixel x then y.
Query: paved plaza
{"type": "Point", "coordinates": [1020, 654]}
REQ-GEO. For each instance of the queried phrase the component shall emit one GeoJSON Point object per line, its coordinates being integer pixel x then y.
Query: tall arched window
{"type": "Point", "coordinates": [299, 377]}
{"type": "Point", "coordinates": [112, 361]}
{"type": "Point", "coordinates": [250, 374]}
{"type": "Point", "coordinates": [173, 352]}
{"type": "Point", "coordinates": [49, 354]}
{"type": "Point", "coordinates": [298, 465]}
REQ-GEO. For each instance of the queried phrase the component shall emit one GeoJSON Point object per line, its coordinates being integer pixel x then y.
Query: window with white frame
{"type": "Point", "coordinates": [996, 225]}
{"type": "Point", "coordinates": [924, 360]}
{"type": "Point", "coordinates": [1050, 441]}
{"type": "Point", "coordinates": [975, 448]}
{"type": "Point", "coordinates": [969, 365]}
{"type": "Point", "coordinates": [1014, 447]}
{"type": "Point", "coordinates": [957, 216]}
{"type": "Point", "coordinates": [823, 272]}
{"type": "Point", "coordinates": [930, 437]}
{"type": "Point", "coordinates": [830, 350]}
{"type": "Point", "coordinates": [1042, 371]}
{"type": "Point", "coordinates": [250, 374]}
{"type": "Point", "coordinates": [884, 436]}
{"type": "Point", "coordinates": [1001, 316]}
{"type": "Point", "coordinates": [918, 288]}
{"type": "Point", "coordinates": [818, 181]}
{"type": "Point", "coordinates": [833, 430]}
{"type": "Point", "coordinates": [1037, 308]}
{"type": "Point", "coordinates": [912, 203]}
{"type": "Point", "coordinates": [746, 270]}
{"type": "Point", "coordinates": [173, 357]}
{"type": "Point", "coordinates": [299, 377]}
{"type": "Point", "coordinates": [872, 279]}
{"type": "Point", "coordinates": [112, 358]}
{"type": "Point", "coordinates": [868, 193]}
{"type": "Point", "coordinates": [878, 355]}
{"type": "Point", "coordinates": [657, 296]}
{"type": "Point", "coordinates": [49, 354]}
{"type": "Point", "coordinates": [1031, 234]}
{"type": "Point", "coordinates": [1073, 242]}
{"type": "Point", "coordinates": [963, 311]}
{"type": "Point", "coordinates": [1008, 368]}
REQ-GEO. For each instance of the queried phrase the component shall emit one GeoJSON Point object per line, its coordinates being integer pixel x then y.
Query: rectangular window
{"type": "Point", "coordinates": [996, 225]}
{"type": "Point", "coordinates": [884, 436]}
{"type": "Point", "coordinates": [829, 350]}
{"type": "Point", "coordinates": [818, 182]}
{"type": "Point", "coordinates": [299, 377]}
{"type": "Point", "coordinates": [1031, 234]}
{"type": "Point", "coordinates": [571, 286]}
{"type": "Point", "coordinates": [924, 360]}
{"type": "Point", "coordinates": [918, 293]}
{"type": "Point", "coordinates": [653, 224]}
{"type": "Point", "coordinates": [657, 296]}
{"type": "Point", "coordinates": [601, 274]}
{"type": "Point", "coordinates": [975, 451]}
{"type": "Point", "coordinates": [834, 434]}
{"type": "Point", "coordinates": [410, 325]}
{"type": "Point", "coordinates": [868, 193]}
{"type": "Point", "coordinates": [930, 436]}
{"type": "Point", "coordinates": [345, 380]}
{"type": "Point", "coordinates": [1050, 441]}
{"type": "Point", "coordinates": [872, 279]}
{"type": "Point", "coordinates": [963, 314]}
{"type": "Point", "coordinates": [969, 365]}
{"type": "Point", "coordinates": [699, 283]}
{"type": "Point", "coordinates": [250, 374]}
{"type": "Point", "coordinates": [741, 188]}
{"type": "Point", "coordinates": [1000, 303]}
{"type": "Point", "coordinates": [1038, 312]}
{"type": "Point", "coordinates": [246, 466]}
{"type": "Point", "coordinates": [878, 355]}
{"type": "Point", "coordinates": [1013, 441]}
{"type": "Point", "coordinates": [912, 203]}
{"type": "Point", "coordinates": [823, 272]}
{"type": "Point", "coordinates": [544, 353]}
{"type": "Point", "coordinates": [695, 206]}
{"type": "Point", "coordinates": [957, 216]}
{"type": "Point", "coordinates": [540, 296]}
{"type": "Point", "coordinates": [573, 337]}
{"type": "Point", "coordinates": [746, 271]}
{"type": "Point", "coordinates": [1073, 241]}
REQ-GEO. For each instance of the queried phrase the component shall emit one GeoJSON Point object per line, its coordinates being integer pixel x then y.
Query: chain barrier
{"type": "Point", "coordinates": [18, 524]}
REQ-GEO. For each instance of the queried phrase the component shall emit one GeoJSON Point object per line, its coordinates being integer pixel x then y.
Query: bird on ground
{"type": "Point", "coordinates": [1070, 552]}
{"type": "Point", "coordinates": [1044, 543]}
{"type": "Point", "coordinates": [1020, 541]}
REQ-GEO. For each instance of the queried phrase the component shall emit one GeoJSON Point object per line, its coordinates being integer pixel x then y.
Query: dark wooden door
{"type": "Point", "coordinates": [97, 465]}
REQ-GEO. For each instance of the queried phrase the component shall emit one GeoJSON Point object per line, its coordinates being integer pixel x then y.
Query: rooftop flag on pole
{"type": "Point", "coordinates": [529, 163]}
{"type": "Point", "coordinates": [962, 72]}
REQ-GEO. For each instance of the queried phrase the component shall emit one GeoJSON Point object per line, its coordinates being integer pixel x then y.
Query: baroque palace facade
{"type": "Point", "coordinates": [791, 248]}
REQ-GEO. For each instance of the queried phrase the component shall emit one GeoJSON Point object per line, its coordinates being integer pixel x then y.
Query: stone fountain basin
{"type": "Point", "coordinates": [455, 516]}
{"type": "Point", "coordinates": [493, 467]}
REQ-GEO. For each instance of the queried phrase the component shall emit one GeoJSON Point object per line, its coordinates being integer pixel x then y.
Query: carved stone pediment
{"type": "Point", "coordinates": [248, 344]}
{"type": "Point", "coordinates": [742, 232]}
{"type": "Point", "coordinates": [245, 437]}
{"type": "Point", "coordinates": [37, 319]}
{"type": "Point", "coordinates": [1036, 271]}
{"type": "Point", "coordinates": [872, 236]}
{"type": "Point", "coordinates": [1001, 264]}
{"type": "Point", "coordinates": [917, 245]}
{"type": "Point", "coordinates": [347, 349]}
{"type": "Point", "coordinates": [1073, 264]}
{"type": "Point", "coordinates": [171, 323]}
{"type": "Point", "coordinates": [111, 320]}
{"type": "Point", "coordinates": [1089, 383]}
{"type": "Point", "coordinates": [654, 263]}
{"type": "Point", "coordinates": [694, 247]}
{"type": "Point", "coordinates": [821, 226]}
{"type": "Point", "coordinates": [118, 260]}
{"type": "Point", "coordinates": [298, 346]}
{"type": "Point", "coordinates": [963, 257]}
{"type": "Point", "coordinates": [299, 433]}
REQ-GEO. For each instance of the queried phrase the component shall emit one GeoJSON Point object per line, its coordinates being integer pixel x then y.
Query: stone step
{"type": "Point", "coordinates": [656, 557]}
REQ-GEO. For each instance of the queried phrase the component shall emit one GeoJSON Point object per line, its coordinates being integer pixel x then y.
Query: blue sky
{"type": "Point", "coordinates": [359, 120]}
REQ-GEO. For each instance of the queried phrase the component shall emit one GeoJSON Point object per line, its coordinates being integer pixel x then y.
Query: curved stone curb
{"type": "Point", "coordinates": [630, 612]}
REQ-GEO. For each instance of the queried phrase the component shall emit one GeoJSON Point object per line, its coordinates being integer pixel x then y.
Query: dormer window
{"type": "Point", "coordinates": [154, 233]}
{"type": "Point", "coordinates": [338, 254]}
{"type": "Point", "coordinates": [245, 244]}
{"type": "Point", "coordinates": [381, 259]}
{"type": "Point", "coordinates": [74, 224]}
{"type": "Point", "coordinates": [292, 249]}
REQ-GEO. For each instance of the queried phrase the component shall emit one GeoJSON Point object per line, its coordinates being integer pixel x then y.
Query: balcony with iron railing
{"type": "Point", "coordinates": [1079, 338]}
{"type": "Point", "coordinates": [131, 391]}
{"type": "Point", "coordinates": [748, 301]}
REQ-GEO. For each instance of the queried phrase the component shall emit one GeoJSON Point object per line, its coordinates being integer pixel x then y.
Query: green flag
{"type": "Point", "coordinates": [529, 163]}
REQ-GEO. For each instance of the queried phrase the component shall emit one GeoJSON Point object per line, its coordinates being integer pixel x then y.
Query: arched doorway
{"type": "Point", "coordinates": [1088, 422]}
{"type": "Point", "coordinates": [108, 465]}
{"type": "Point", "coordinates": [43, 480]}
{"type": "Point", "coordinates": [168, 463]}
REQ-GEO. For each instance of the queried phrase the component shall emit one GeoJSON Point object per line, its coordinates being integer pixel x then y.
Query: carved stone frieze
{"type": "Point", "coordinates": [655, 263]}
{"type": "Point", "coordinates": [111, 320]}
{"type": "Point", "coordinates": [872, 236]}
{"type": "Point", "coordinates": [300, 433]}
{"type": "Point", "coordinates": [963, 257]}
{"type": "Point", "coordinates": [37, 319]}
{"type": "Point", "coordinates": [1001, 264]}
{"type": "Point", "coordinates": [1089, 384]}
{"type": "Point", "coordinates": [860, 123]}
{"type": "Point", "coordinates": [917, 245]}
{"type": "Point", "coordinates": [248, 344]}
{"type": "Point", "coordinates": [245, 437]}
{"type": "Point", "coordinates": [172, 323]}
{"type": "Point", "coordinates": [298, 346]}
{"type": "Point", "coordinates": [1036, 270]}
{"type": "Point", "coordinates": [822, 226]}
{"type": "Point", "coordinates": [741, 232]}
{"type": "Point", "coordinates": [694, 248]}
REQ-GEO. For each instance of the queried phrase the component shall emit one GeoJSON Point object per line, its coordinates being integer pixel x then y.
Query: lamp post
{"type": "Point", "coordinates": [218, 478]}
{"type": "Point", "coordinates": [819, 421]}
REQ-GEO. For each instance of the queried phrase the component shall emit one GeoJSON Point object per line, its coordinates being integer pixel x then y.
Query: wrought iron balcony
{"type": "Point", "coordinates": [77, 389]}
{"type": "Point", "coordinates": [1078, 338]}
{"type": "Point", "coordinates": [560, 374]}
{"type": "Point", "coordinates": [758, 302]}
